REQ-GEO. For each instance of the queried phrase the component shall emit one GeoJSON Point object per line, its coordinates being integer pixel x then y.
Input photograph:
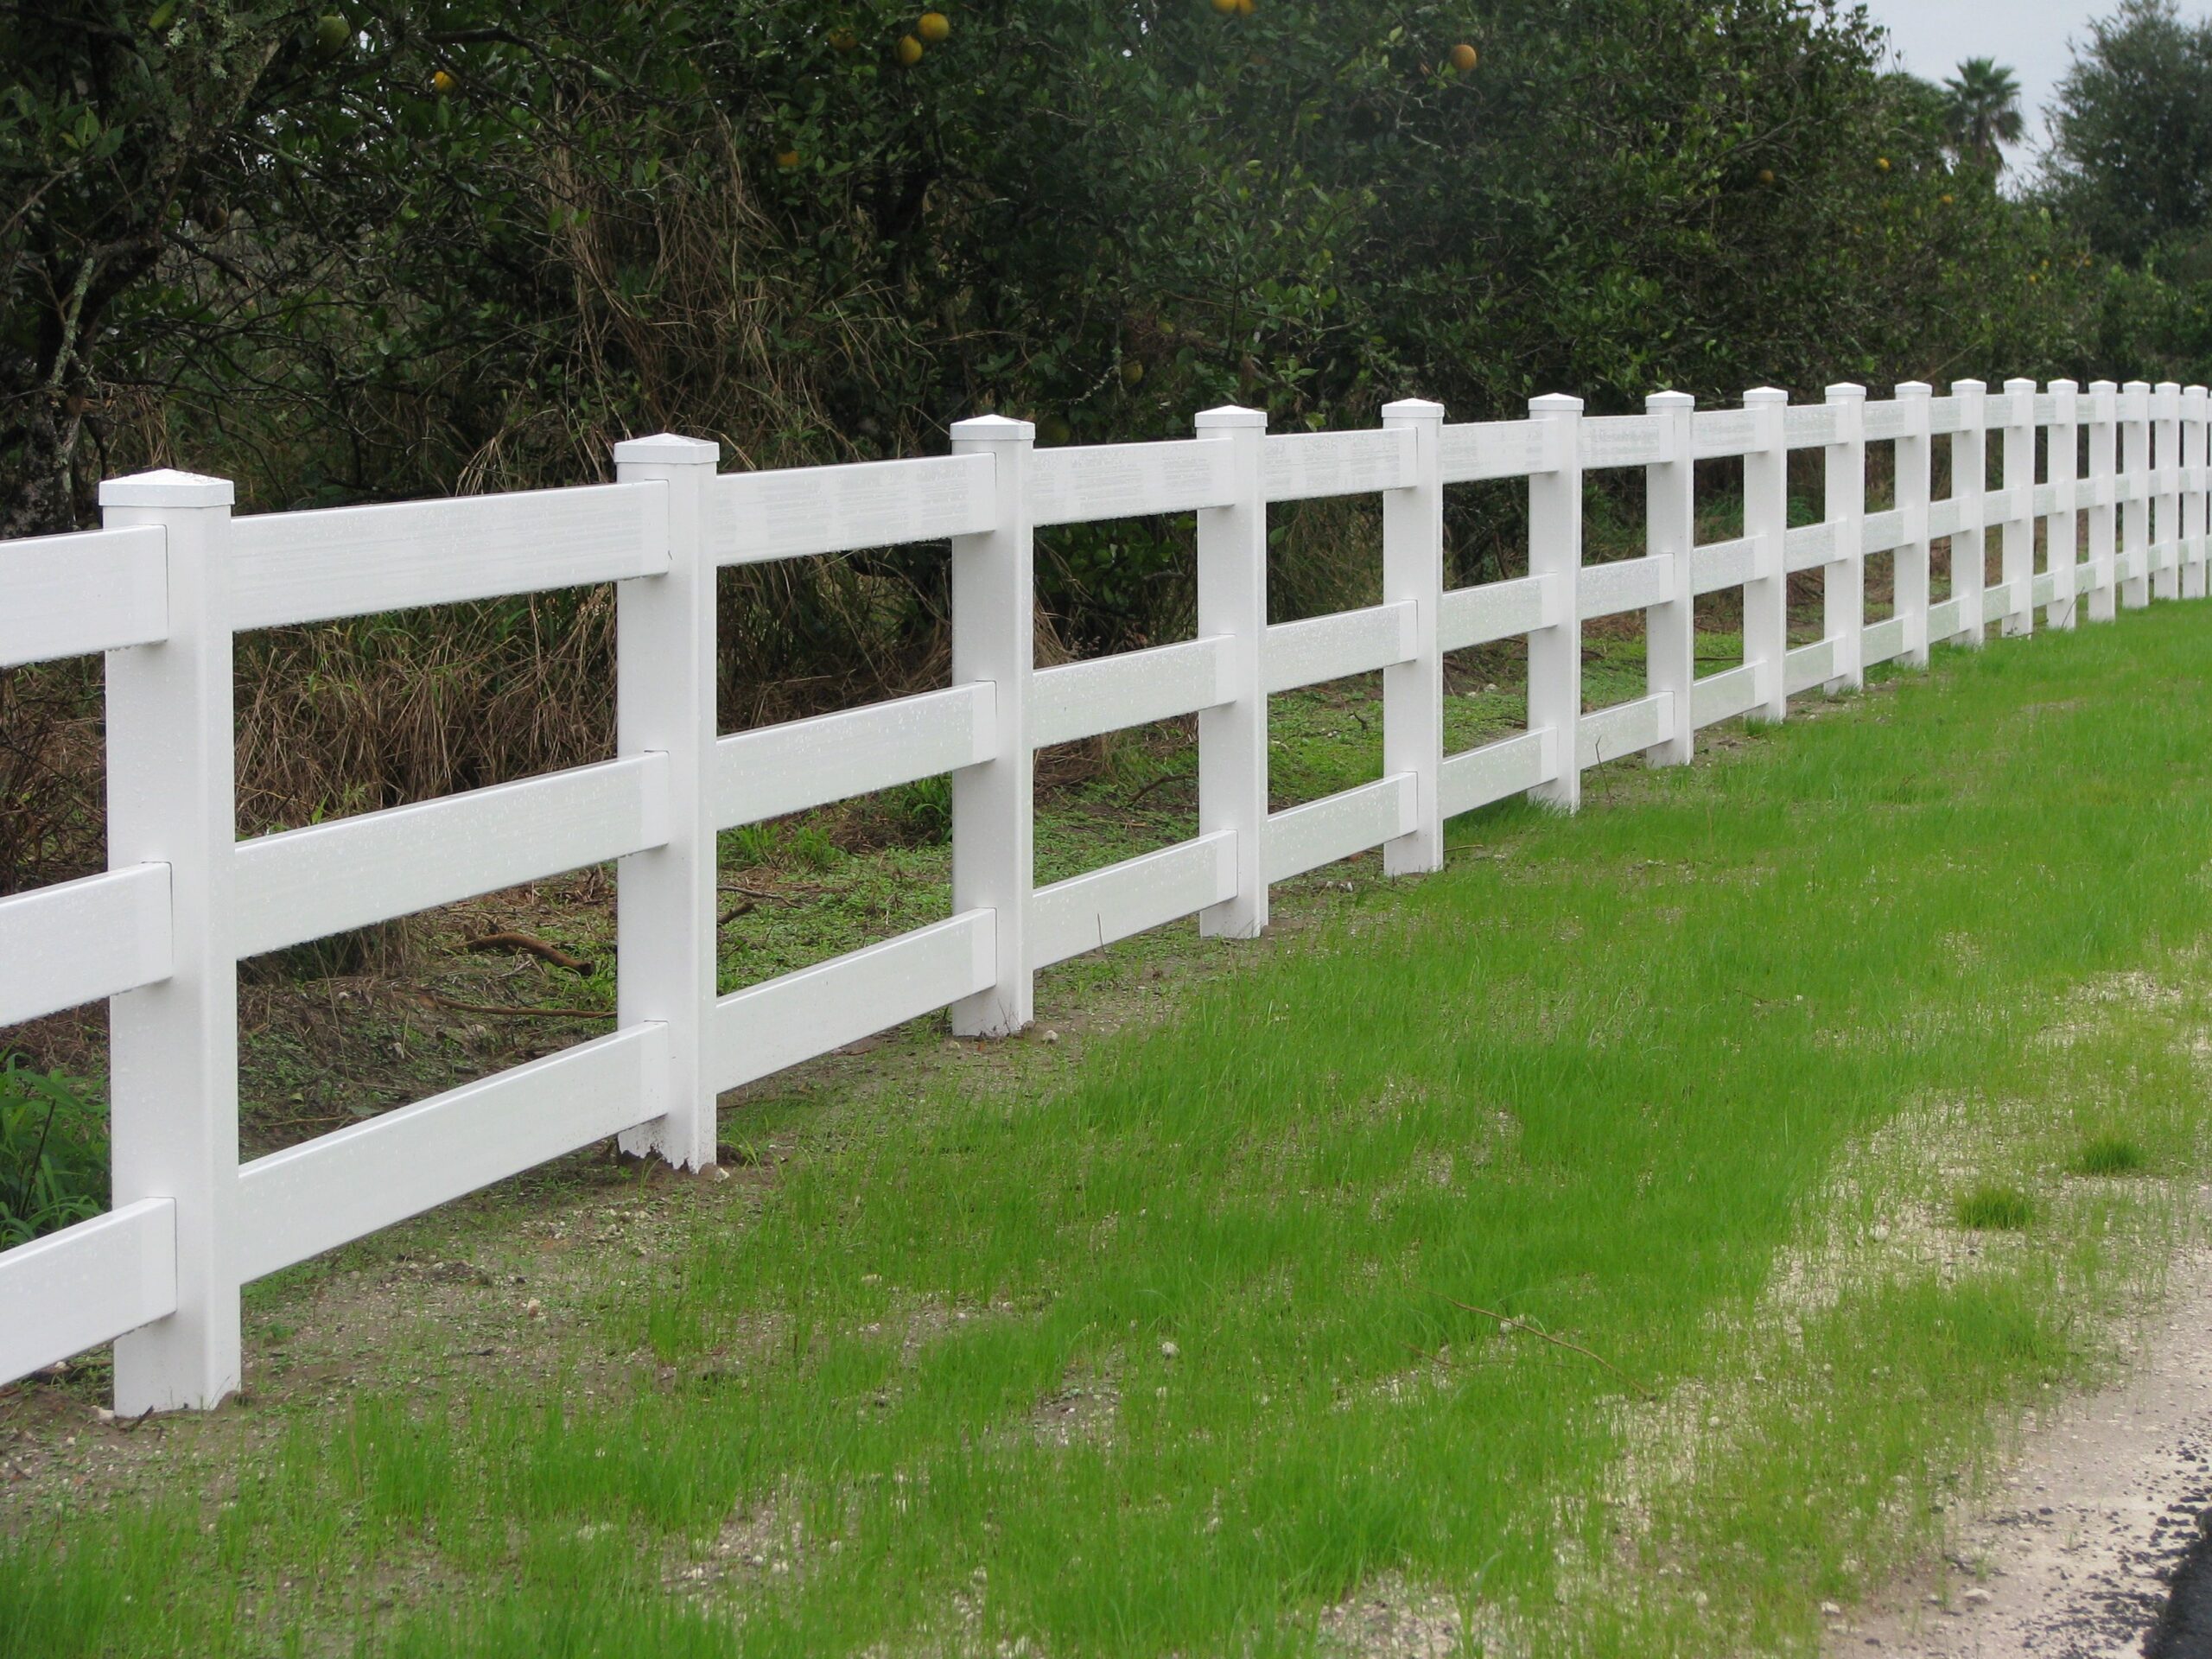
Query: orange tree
{"type": "Point", "coordinates": [360, 249]}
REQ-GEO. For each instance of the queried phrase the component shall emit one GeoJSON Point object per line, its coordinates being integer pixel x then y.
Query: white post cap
{"type": "Point", "coordinates": [669, 450]}
{"type": "Point", "coordinates": [1230, 416]}
{"type": "Point", "coordinates": [168, 487]}
{"type": "Point", "coordinates": [994, 428]}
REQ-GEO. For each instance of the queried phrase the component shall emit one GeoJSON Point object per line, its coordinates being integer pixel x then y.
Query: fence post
{"type": "Point", "coordinates": [2135, 472]}
{"type": "Point", "coordinates": [2104, 481]}
{"type": "Point", "coordinates": [2018, 546]}
{"type": "Point", "coordinates": [1970, 493]}
{"type": "Point", "coordinates": [1766, 521]}
{"type": "Point", "coordinates": [2166, 460]}
{"type": "Point", "coordinates": [1555, 552]}
{"type": "Point", "coordinates": [2192, 492]}
{"type": "Point", "coordinates": [994, 805]}
{"type": "Point", "coordinates": [2062, 530]}
{"type": "Point", "coordinates": [1233, 737]}
{"type": "Point", "coordinates": [1413, 692]}
{"type": "Point", "coordinates": [1843, 584]}
{"type": "Point", "coordinates": [1909, 565]}
{"type": "Point", "coordinates": [664, 675]}
{"type": "Point", "coordinates": [1671, 531]}
{"type": "Point", "coordinates": [173, 1045]}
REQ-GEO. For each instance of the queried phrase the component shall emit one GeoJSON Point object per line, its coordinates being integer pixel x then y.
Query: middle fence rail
{"type": "Point", "coordinates": [164, 587]}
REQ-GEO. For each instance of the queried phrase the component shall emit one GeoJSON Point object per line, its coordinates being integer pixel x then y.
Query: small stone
{"type": "Point", "coordinates": [1169, 1350]}
{"type": "Point", "coordinates": [534, 1308]}
{"type": "Point", "coordinates": [1977, 1597]}
{"type": "Point", "coordinates": [1829, 1609]}
{"type": "Point", "coordinates": [1051, 1036]}
{"type": "Point", "coordinates": [1701, 1598]}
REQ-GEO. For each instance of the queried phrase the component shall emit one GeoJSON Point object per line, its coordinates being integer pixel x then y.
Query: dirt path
{"type": "Point", "coordinates": [2070, 1555]}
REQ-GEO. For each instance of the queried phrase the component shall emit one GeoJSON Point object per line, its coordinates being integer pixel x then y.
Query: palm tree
{"type": "Point", "coordinates": [1982, 111]}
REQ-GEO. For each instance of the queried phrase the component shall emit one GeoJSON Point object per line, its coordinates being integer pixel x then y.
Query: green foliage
{"type": "Point", "coordinates": [810, 849]}
{"type": "Point", "coordinates": [468, 246]}
{"type": "Point", "coordinates": [922, 810]}
{"type": "Point", "coordinates": [2110, 1155]}
{"type": "Point", "coordinates": [2130, 161]}
{"type": "Point", "coordinates": [1993, 1207]}
{"type": "Point", "coordinates": [759, 224]}
{"type": "Point", "coordinates": [53, 1153]}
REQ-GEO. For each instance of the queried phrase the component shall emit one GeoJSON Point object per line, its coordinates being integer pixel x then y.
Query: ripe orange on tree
{"type": "Point", "coordinates": [934, 27]}
{"type": "Point", "coordinates": [910, 50]}
{"type": "Point", "coordinates": [1464, 58]}
{"type": "Point", "coordinates": [443, 82]}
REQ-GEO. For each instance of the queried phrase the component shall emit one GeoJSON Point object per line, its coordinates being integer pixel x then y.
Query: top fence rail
{"type": "Point", "coordinates": [2101, 505]}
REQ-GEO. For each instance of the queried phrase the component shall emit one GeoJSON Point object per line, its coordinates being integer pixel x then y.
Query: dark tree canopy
{"type": "Point", "coordinates": [2130, 159]}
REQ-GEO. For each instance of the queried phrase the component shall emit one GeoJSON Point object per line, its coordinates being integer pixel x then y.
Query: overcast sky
{"type": "Point", "coordinates": [1930, 36]}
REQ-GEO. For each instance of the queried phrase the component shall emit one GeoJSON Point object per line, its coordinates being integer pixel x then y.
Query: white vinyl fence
{"type": "Point", "coordinates": [172, 576]}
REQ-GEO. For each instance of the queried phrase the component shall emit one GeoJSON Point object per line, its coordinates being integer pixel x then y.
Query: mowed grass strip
{"type": "Point", "coordinates": [1177, 1356]}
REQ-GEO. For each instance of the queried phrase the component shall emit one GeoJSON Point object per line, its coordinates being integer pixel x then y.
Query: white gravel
{"type": "Point", "coordinates": [2079, 1536]}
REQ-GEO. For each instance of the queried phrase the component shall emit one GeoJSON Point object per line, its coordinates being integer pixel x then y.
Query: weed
{"type": "Point", "coordinates": [53, 1153]}
{"type": "Point", "coordinates": [922, 810]}
{"type": "Point", "coordinates": [810, 849]}
{"type": "Point", "coordinates": [2109, 1154]}
{"type": "Point", "coordinates": [750, 844]}
{"type": "Point", "coordinates": [1992, 1207]}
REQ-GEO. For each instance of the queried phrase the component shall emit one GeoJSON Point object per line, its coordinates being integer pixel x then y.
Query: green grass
{"type": "Point", "coordinates": [2109, 1154]}
{"type": "Point", "coordinates": [1993, 1207]}
{"type": "Point", "coordinates": [1599, 1077]}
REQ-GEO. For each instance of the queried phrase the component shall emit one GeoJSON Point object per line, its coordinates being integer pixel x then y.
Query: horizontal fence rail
{"type": "Point", "coordinates": [2100, 505]}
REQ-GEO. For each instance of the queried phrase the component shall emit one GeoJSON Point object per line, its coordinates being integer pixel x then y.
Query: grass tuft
{"type": "Point", "coordinates": [1995, 1208]}
{"type": "Point", "coordinates": [2109, 1154]}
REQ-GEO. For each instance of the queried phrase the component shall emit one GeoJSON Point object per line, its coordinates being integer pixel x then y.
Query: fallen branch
{"type": "Point", "coordinates": [1523, 1326]}
{"type": "Point", "coordinates": [538, 947]}
{"type": "Point", "coordinates": [770, 896]}
{"type": "Point", "coordinates": [1159, 782]}
{"type": "Point", "coordinates": [493, 1009]}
